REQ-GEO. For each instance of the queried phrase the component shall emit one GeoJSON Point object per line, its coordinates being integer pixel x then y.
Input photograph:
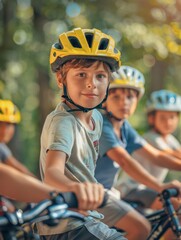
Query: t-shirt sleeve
{"type": "Point", "coordinates": [158, 142]}
{"type": "Point", "coordinates": [61, 134]}
{"type": "Point", "coordinates": [134, 140]}
{"type": "Point", "coordinates": [108, 139]}
{"type": "Point", "coordinates": [5, 153]}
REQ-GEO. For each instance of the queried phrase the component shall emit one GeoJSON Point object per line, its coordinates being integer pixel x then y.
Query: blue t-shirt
{"type": "Point", "coordinates": [106, 168]}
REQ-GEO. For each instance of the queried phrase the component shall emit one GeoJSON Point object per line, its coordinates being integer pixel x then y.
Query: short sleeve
{"type": "Point", "coordinates": [158, 142]}
{"type": "Point", "coordinates": [61, 134]}
{"type": "Point", "coordinates": [134, 140]}
{"type": "Point", "coordinates": [108, 139]}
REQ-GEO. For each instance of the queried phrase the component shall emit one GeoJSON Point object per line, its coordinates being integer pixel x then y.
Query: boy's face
{"type": "Point", "coordinates": [122, 102]}
{"type": "Point", "coordinates": [6, 131]}
{"type": "Point", "coordinates": [165, 122]}
{"type": "Point", "coordinates": [87, 86]}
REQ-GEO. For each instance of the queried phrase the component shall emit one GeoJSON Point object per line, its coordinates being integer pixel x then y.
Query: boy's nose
{"type": "Point", "coordinates": [90, 83]}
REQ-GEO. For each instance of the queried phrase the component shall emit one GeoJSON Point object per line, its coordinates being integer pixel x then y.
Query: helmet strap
{"type": "Point", "coordinates": [80, 108]}
{"type": "Point", "coordinates": [110, 115]}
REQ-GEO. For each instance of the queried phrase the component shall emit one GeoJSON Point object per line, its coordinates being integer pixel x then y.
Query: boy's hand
{"type": "Point", "coordinates": [90, 195]}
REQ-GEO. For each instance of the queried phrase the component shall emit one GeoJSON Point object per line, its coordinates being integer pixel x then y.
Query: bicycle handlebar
{"type": "Point", "coordinates": [170, 192]}
{"type": "Point", "coordinates": [56, 209]}
{"type": "Point", "coordinates": [71, 200]}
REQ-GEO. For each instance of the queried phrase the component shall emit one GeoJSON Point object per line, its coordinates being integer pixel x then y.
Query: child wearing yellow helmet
{"type": "Point", "coordinates": [82, 60]}
{"type": "Point", "coordinates": [117, 142]}
{"type": "Point", "coordinates": [17, 183]}
{"type": "Point", "coordinates": [9, 117]}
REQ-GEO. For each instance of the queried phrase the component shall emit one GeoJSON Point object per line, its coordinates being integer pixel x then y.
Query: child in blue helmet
{"type": "Point", "coordinates": [117, 142]}
{"type": "Point", "coordinates": [163, 109]}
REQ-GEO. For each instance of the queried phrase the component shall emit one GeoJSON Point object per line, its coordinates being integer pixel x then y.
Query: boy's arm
{"type": "Point", "coordinates": [174, 153]}
{"type": "Point", "coordinates": [159, 157]}
{"type": "Point", "coordinates": [21, 187]}
{"type": "Point", "coordinates": [13, 162]}
{"type": "Point", "coordinates": [89, 195]}
{"type": "Point", "coordinates": [136, 171]}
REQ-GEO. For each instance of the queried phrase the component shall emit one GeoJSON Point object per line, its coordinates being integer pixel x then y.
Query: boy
{"type": "Point", "coordinates": [83, 60]}
{"type": "Point", "coordinates": [163, 108]}
{"type": "Point", "coordinates": [118, 139]}
{"type": "Point", "coordinates": [9, 117]}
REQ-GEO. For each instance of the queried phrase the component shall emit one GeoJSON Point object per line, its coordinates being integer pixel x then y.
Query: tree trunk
{"type": "Point", "coordinates": [158, 73]}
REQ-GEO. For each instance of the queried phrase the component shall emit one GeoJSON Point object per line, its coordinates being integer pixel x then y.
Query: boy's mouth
{"type": "Point", "coordinates": [89, 95]}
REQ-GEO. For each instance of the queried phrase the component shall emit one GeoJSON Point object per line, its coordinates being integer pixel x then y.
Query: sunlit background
{"type": "Point", "coordinates": [148, 33]}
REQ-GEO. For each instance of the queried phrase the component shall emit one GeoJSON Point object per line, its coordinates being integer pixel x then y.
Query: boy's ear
{"type": "Point", "coordinates": [151, 119]}
{"type": "Point", "coordinates": [104, 105]}
{"type": "Point", "coordinates": [59, 80]}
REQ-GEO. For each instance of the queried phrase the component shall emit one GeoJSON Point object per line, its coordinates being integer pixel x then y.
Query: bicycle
{"type": "Point", "coordinates": [164, 219]}
{"type": "Point", "coordinates": [57, 209]}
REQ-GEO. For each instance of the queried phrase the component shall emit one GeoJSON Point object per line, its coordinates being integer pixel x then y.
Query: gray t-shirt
{"type": "Point", "coordinates": [64, 132]}
{"type": "Point", "coordinates": [5, 152]}
{"type": "Point", "coordinates": [126, 183]}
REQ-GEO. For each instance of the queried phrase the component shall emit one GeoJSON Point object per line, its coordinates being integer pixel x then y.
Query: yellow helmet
{"type": "Point", "coordinates": [84, 43]}
{"type": "Point", "coordinates": [9, 112]}
{"type": "Point", "coordinates": [128, 77]}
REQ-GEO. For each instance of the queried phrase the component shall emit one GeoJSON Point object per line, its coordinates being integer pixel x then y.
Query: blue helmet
{"type": "Point", "coordinates": [164, 100]}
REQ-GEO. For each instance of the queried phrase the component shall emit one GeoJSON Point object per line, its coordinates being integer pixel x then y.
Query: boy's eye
{"type": "Point", "coordinates": [101, 76]}
{"type": "Point", "coordinates": [115, 97]}
{"type": "Point", "coordinates": [81, 74]}
{"type": "Point", "coordinates": [131, 95]}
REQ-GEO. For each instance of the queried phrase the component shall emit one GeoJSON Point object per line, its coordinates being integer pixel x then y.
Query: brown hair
{"type": "Point", "coordinates": [78, 63]}
{"type": "Point", "coordinates": [112, 90]}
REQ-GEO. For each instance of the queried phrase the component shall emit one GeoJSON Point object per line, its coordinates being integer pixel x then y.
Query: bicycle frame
{"type": "Point", "coordinates": [160, 224]}
{"type": "Point", "coordinates": [164, 219]}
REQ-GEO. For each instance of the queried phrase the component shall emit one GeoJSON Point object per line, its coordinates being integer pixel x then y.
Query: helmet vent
{"type": "Point", "coordinates": [103, 44]}
{"type": "Point", "coordinates": [160, 100]}
{"type": "Point", "coordinates": [89, 37]}
{"type": "Point", "coordinates": [115, 50]}
{"type": "Point", "coordinates": [75, 42]}
{"type": "Point", "coordinates": [126, 71]}
{"type": "Point", "coordinates": [58, 45]}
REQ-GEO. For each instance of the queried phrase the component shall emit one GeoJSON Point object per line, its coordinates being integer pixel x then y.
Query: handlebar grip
{"type": "Point", "coordinates": [171, 192]}
{"type": "Point", "coordinates": [71, 200]}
